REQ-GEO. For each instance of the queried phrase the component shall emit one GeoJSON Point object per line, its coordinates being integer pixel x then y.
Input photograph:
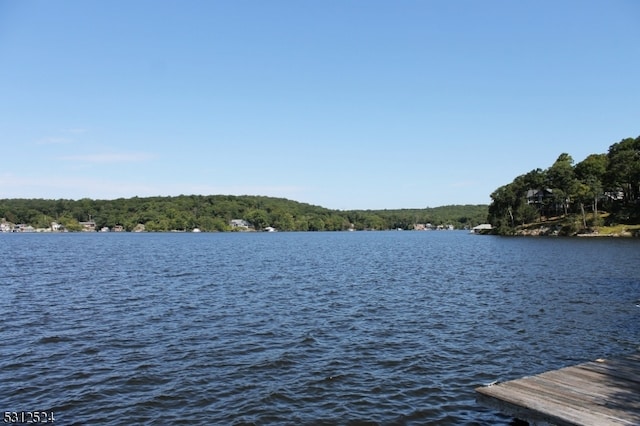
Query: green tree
{"type": "Point", "coordinates": [159, 225]}
{"type": "Point", "coordinates": [591, 172]}
{"type": "Point", "coordinates": [316, 224]}
{"type": "Point", "coordinates": [258, 218]}
{"type": "Point", "coordinates": [283, 220]}
{"type": "Point", "coordinates": [180, 222]}
{"type": "Point", "coordinates": [336, 223]}
{"type": "Point", "coordinates": [374, 221]}
{"type": "Point", "coordinates": [623, 170]}
{"type": "Point", "coordinates": [525, 213]}
{"type": "Point", "coordinates": [501, 208]}
{"type": "Point", "coordinates": [302, 223]}
{"type": "Point", "coordinates": [43, 221]}
{"type": "Point", "coordinates": [535, 179]}
{"type": "Point", "coordinates": [562, 180]}
{"type": "Point", "coordinates": [220, 225]}
{"type": "Point", "coordinates": [70, 223]}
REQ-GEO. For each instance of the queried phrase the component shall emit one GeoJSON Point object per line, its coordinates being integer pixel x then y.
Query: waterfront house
{"type": "Point", "coordinates": [537, 196]}
{"type": "Point", "coordinates": [89, 226]}
{"type": "Point", "coordinates": [422, 226]}
{"type": "Point", "coordinates": [239, 224]}
{"type": "Point", "coordinates": [482, 228]}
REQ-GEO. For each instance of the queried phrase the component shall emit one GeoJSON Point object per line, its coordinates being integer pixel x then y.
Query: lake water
{"type": "Point", "coordinates": [386, 328]}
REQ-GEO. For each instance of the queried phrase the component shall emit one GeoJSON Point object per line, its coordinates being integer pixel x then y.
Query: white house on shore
{"type": "Point", "coordinates": [485, 227]}
{"type": "Point", "coordinates": [239, 224]}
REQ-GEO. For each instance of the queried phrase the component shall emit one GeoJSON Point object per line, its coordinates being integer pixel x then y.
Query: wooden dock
{"type": "Point", "coordinates": [601, 392]}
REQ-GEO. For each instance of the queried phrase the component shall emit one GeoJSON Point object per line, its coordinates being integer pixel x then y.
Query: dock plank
{"type": "Point", "coordinates": [540, 409]}
{"type": "Point", "coordinates": [601, 392]}
{"type": "Point", "coordinates": [590, 386]}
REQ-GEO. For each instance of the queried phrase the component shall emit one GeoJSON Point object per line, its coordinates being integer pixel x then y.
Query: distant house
{"type": "Point", "coordinates": [422, 226]}
{"type": "Point", "coordinates": [445, 227]}
{"type": "Point", "coordinates": [481, 229]}
{"type": "Point", "coordinates": [239, 224]}
{"type": "Point", "coordinates": [22, 227]}
{"type": "Point", "coordinates": [118, 228]}
{"type": "Point", "coordinates": [89, 226]}
{"type": "Point", "coordinates": [613, 195]}
{"type": "Point", "coordinates": [537, 196]}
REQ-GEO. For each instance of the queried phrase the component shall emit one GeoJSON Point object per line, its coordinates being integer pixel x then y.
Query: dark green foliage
{"type": "Point", "coordinates": [601, 182]}
{"type": "Point", "coordinates": [212, 213]}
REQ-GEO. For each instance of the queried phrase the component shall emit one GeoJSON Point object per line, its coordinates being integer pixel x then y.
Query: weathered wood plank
{"type": "Point", "coordinates": [592, 385]}
{"type": "Point", "coordinates": [568, 401]}
{"type": "Point", "coordinates": [539, 410]}
{"type": "Point", "coordinates": [623, 371]}
{"type": "Point", "coordinates": [593, 393]}
{"type": "Point", "coordinates": [569, 397]}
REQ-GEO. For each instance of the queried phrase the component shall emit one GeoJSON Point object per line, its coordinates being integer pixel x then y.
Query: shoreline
{"type": "Point", "coordinates": [555, 232]}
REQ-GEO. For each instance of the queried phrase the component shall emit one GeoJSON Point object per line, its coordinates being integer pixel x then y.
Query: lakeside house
{"type": "Point", "coordinates": [239, 224]}
{"type": "Point", "coordinates": [537, 196]}
{"type": "Point", "coordinates": [422, 227]}
{"type": "Point", "coordinates": [430, 227]}
{"type": "Point", "coordinates": [482, 228]}
{"type": "Point", "coordinates": [10, 227]}
{"type": "Point", "coordinates": [89, 226]}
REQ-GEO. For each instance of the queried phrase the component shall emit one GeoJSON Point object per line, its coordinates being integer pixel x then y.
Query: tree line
{"type": "Point", "coordinates": [211, 213]}
{"type": "Point", "coordinates": [603, 189]}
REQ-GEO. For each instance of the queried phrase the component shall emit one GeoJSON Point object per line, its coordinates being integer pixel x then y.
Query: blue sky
{"type": "Point", "coordinates": [343, 104]}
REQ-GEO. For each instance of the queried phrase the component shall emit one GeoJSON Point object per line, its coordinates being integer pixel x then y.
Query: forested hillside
{"type": "Point", "coordinates": [215, 212]}
{"type": "Point", "coordinates": [603, 189]}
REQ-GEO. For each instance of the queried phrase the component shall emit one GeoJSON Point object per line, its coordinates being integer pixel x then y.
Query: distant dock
{"type": "Point", "coordinates": [601, 392]}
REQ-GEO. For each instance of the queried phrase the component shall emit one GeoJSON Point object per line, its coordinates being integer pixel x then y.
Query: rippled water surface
{"type": "Point", "coordinates": [300, 328]}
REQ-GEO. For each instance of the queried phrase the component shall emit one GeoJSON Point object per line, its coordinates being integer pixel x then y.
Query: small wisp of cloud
{"type": "Point", "coordinates": [54, 141]}
{"type": "Point", "coordinates": [119, 157]}
{"type": "Point", "coordinates": [76, 130]}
